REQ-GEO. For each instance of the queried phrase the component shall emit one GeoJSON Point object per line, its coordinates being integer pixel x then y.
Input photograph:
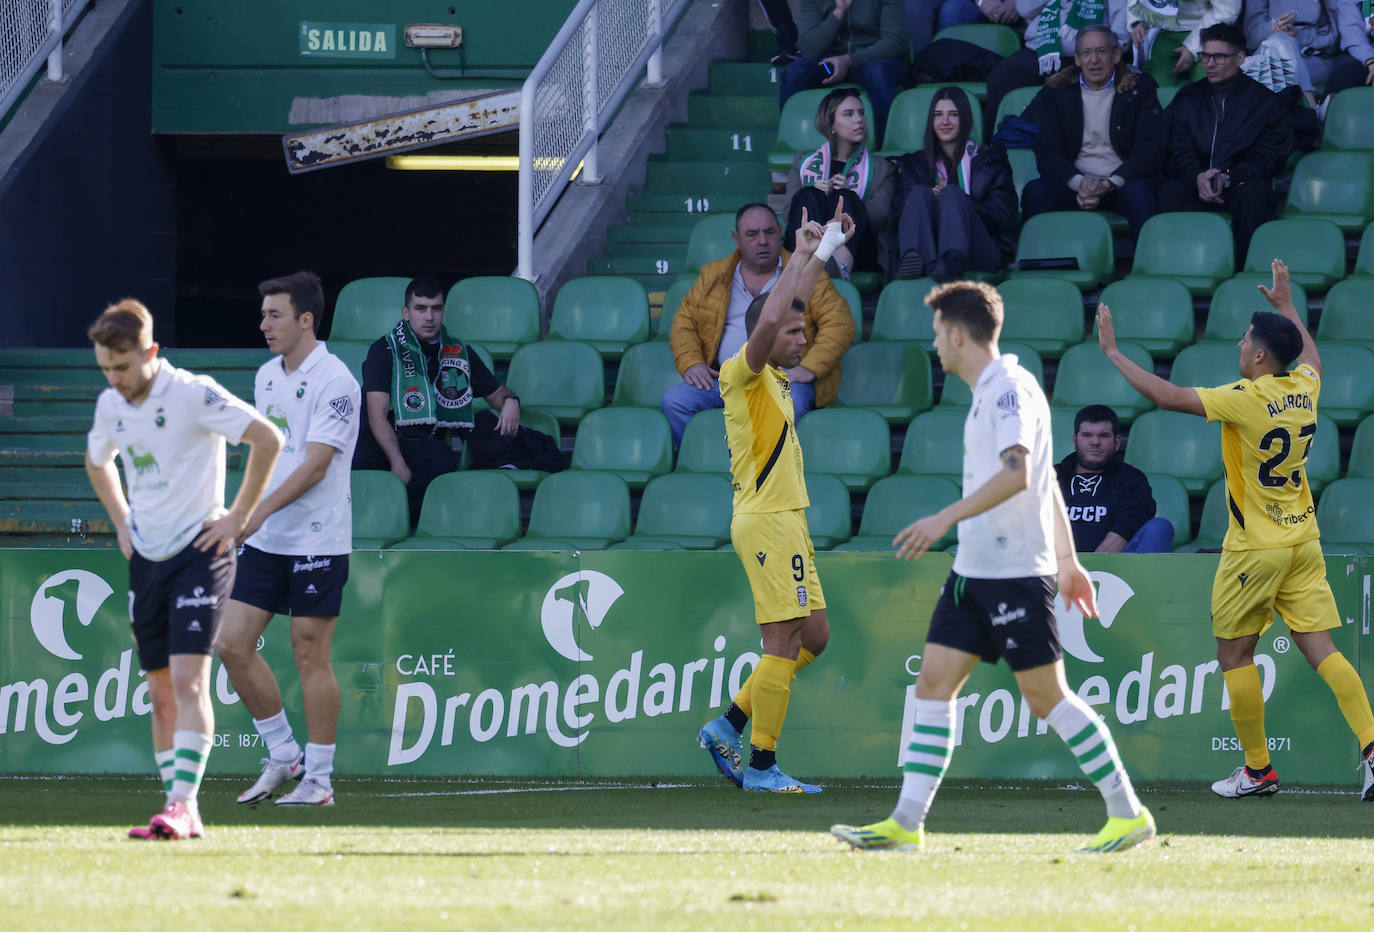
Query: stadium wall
{"type": "Point", "coordinates": [606, 663]}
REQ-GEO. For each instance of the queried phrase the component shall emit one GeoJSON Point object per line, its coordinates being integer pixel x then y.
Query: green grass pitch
{"type": "Point", "coordinates": [641, 854]}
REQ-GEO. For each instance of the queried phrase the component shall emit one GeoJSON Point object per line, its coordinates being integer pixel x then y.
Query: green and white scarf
{"type": "Point", "coordinates": [963, 171]}
{"type": "Point", "coordinates": [1047, 36]}
{"type": "Point", "coordinates": [857, 170]}
{"type": "Point", "coordinates": [443, 402]}
{"type": "Point", "coordinates": [1161, 13]}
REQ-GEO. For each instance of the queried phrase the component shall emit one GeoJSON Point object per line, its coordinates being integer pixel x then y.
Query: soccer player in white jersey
{"type": "Point", "coordinates": [169, 427]}
{"type": "Point", "coordinates": [1014, 539]}
{"type": "Point", "coordinates": [294, 560]}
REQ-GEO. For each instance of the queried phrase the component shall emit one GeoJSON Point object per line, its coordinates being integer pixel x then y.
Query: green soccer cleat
{"type": "Point", "coordinates": [887, 835]}
{"type": "Point", "coordinates": [1121, 834]}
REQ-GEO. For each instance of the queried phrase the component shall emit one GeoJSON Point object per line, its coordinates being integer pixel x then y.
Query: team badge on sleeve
{"type": "Point", "coordinates": [343, 407]}
{"type": "Point", "coordinates": [213, 398]}
{"type": "Point", "coordinates": [1009, 402]}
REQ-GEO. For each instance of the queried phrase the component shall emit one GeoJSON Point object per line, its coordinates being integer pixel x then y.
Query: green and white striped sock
{"type": "Point", "coordinates": [1091, 745]}
{"type": "Point", "coordinates": [166, 766]}
{"type": "Point", "coordinates": [192, 751]}
{"type": "Point", "coordinates": [925, 758]}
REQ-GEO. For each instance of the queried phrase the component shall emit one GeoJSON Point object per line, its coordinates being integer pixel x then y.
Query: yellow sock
{"type": "Point", "coordinates": [1345, 683]}
{"type": "Point", "coordinates": [772, 688]}
{"type": "Point", "coordinates": [804, 657]}
{"type": "Point", "coordinates": [1247, 713]}
{"type": "Point", "coordinates": [745, 697]}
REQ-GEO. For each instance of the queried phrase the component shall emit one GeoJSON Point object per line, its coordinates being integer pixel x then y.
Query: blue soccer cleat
{"type": "Point", "coordinates": [774, 780]}
{"type": "Point", "coordinates": [725, 746]}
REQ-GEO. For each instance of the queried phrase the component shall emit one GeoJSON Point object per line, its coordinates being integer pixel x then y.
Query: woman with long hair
{"type": "Point", "coordinates": [843, 168]}
{"type": "Point", "coordinates": [955, 203]}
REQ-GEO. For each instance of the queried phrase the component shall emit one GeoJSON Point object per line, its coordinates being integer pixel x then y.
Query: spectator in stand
{"type": "Point", "coordinates": [1099, 146]}
{"type": "Point", "coordinates": [956, 202]}
{"type": "Point", "coordinates": [1229, 163]}
{"type": "Point", "coordinates": [924, 18]}
{"type": "Point", "coordinates": [843, 167]}
{"type": "Point", "coordinates": [709, 325]}
{"type": "Point", "coordinates": [779, 15]}
{"type": "Point", "coordinates": [1051, 35]}
{"type": "Point", "coordinates": [1328, 40]}
{"type": "Point", "coordinates": [1167, 35]}
{"type": "Point", "coordinates": [1111, 508]}
{"type": "Point", "coordinates": [860, 41]}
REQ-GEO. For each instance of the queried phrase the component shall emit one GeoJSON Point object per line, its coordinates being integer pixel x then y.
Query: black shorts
{"type": "Point", "coordinates": [301, 587]}
{"type": "Point", "coordinates": [992, 618]}
{"type": "Point", "coordinates": [176, 604]}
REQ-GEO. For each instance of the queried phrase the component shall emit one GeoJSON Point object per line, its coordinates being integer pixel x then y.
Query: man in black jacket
{"type": "Point", "coordinates": [1099, 146]}
{"type": "Point", "coordinates": [1111, 508]}
{"type": "Point", "coordinates": [1228, 137]}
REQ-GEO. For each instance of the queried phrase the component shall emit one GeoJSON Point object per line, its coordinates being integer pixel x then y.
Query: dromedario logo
{"type": "Point", "coordinates": [580, 597]}
{"type": "Point", "coordinates": [48, 612]}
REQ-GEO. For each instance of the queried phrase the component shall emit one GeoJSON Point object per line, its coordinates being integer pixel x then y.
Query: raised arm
{"type": "Point", "coordinates": [1280, 298]}
{"type": "Point", "coordinates": [1162, 392]}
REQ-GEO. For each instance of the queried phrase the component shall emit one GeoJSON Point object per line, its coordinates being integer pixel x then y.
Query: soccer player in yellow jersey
{"type": "Point", "coordinates": [1271, 558]}
{"type": "Point", "coordinates": [769, 524]}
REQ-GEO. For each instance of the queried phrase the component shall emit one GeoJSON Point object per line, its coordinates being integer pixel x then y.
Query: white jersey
{"type": "Point", "coordinates": [172, 448]}
{"type": "Point", "coordinates": [318, 403]}
{"type": "Point", "coordinates": [1016, 538]}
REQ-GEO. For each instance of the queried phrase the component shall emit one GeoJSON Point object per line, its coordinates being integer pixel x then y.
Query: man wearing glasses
{"type": "Point", "coordinates": [1229, 136]}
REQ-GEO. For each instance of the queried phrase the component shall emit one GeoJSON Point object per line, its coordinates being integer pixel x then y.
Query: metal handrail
{"type": "Point", "coordinates": [22, 58]}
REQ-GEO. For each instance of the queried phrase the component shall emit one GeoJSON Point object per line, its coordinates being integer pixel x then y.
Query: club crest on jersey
{"type": "Point", "coordinates": [801, 596]}
{"type": "Point", "coordinates": [300, 392]}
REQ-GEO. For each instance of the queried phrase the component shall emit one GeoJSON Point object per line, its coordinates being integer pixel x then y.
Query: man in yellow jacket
{"type": "Point", "coordinates": [709, 324]}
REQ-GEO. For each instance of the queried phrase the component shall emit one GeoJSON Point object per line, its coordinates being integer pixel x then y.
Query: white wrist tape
{"type": "Point", "coordinates": [832, 240]}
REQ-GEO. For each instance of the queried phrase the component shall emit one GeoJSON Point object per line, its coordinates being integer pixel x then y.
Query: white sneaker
{"type": "Point", "coordinates": [274, 774]}
{"type": "Point", "coordinates": [1367, 769]}
{"type": "Point", "coordinates": [1240, 784]}
{"type": "Point", "coordinates": [311, 792]}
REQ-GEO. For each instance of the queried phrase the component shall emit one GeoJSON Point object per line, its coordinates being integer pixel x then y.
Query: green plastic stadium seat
{"type": "Point", "coordinates": [646, 372]}
{"type": "Point", "coordinates": [351, 353]}
{"type": "Point", "coordinates": [1154, 314]}
{"type": "Point", "coordinates": [1023, 165]}
{"type": "Point", "coordinates": [381, 514]}
{"type": "Point", "coordinates": [934, 444]}
{"type": "Point", "coordinates": [501, 312]}
{"type": "Point", "coordinates": [1364, 260]}
{"type": "Point", "coordinates": [609, 312]}
{"type": "Point", "coordinates": [956, 392]}
{"type": "Point", "coordinates": [688, 510]}
{"type": "Point", "coordinates": [1212, 527]}
{"type": "Point", "coordinates": [1000, 39]}
{"type": "Point", "coordinates": [671, 301]}
{"type": "Point", "coordinates": [1361, 462]}
{"type": "Point", "coordinates": [895, 502]}
{"type": "Point", "coordinates": [1059, 234]}
{"type": "Point", "coordinates": [1334, 186]}
{"type": "Point", "coordinates": [852, 444]}
{"type": "Point", "coordinates": [1233, 304]}
{"type": "Point", "coordinates": [891, 378]}
{"type": "Point", "coordinates": [1044, 313]}
{"type": "Point", "coordinates": [1195, 248]}
{"type": "Point", "coordinates": [467, 511]}
{"type": "Point", "coordinates": [703, 447]}
{"type": "Point", "coordinates": [906, 120]}
{"type": "Point", "coordinates": [1180, 445]}
{"type": "Point", "coordinates": [1206, 365]}
{"type": "Point", "coordinates": [902, 313]}
{"type": "Point", "coordinates": [1015, 102]}
{"type": "Point", "coordinates": [1171, 502]}
{"type": "Point", "coordinates": [797, 127]}
{"type": "Point", "coordinates": [830, 518]}
{"type": "Point", "coordinates": [1347, 390]}
{"type": "Point", "coordinates": [1088, 377]}
{"type": "Point", "coordinates": [1313, 249]}
{"type": "Point", "coordinates": [1324, 457]}
{"type": "Point", "coordinates": [1166, 95]}
{"type": "Point", "coordinates": [1343, 516]}
{"type": "Point", "coordinates": [1061, 432]}
{"type": "Point", "coordinates": [577, 510]}
{"type": "Point", "coordinates": [1348, 314]}
{"type": "Point", "coordinates": [1347, 124]}
{"type": "Point", "coordinates": [534, 419]}
{"type": "Point", "coordinates": [633, 443]}
{"type": "Point", "coordinates": [566, 379]}
{"type": "Point", "coordinates": [856, 305]}
{"type": "Point", "coordinates": [710, 240]}
{"type": "Point", "coordinates": [367, 308]}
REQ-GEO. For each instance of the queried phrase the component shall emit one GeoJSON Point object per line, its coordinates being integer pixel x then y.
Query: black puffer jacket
{"type": "Point", "coordinates": [1243, 130]}
{"type": "Point", "coordinates": [990, 188]}
{"type": "Point", "coordinates": [1136, 129]}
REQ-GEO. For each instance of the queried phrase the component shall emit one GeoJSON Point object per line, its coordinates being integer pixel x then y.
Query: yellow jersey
{"type": "Point", "coordinates": [765, 456]}
{"type": "Point", "coordinates": [1267, 428]}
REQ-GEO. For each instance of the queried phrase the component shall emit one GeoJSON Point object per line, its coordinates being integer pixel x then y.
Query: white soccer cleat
{"type": "Point", "coordinates": [1240, 784]}
{"type": "Point", "coordinates": [1367, 770]}
{"type": "Point", "coordinates": [274, 774]}
{"type": "Point", "coordinates": [310, 792]}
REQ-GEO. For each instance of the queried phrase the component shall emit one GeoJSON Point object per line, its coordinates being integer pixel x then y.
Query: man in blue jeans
{"type": "Point", "coordinates": [1111, 508]}
{"type": "Point", "coordinates": [856, 41]}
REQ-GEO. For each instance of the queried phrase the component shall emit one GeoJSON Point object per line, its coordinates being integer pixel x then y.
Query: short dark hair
{"type": "Point", "coordinates": [123, 326]}
{"type": "Point", "coordinates": [1094, 414]}
{"type": "Point", "coordinates": [755, 311]}
{"type": "Point", "coordinates": [1278, 335]}
{"type": "Point", "coordinates": [425, 286]}
{"type": "Point", "coordinates": [1229, 33]}
{"type": "Point", "coordinates": [304, 290]}
{"type": "Point", "coordinates": [753, 205]}
{"type": "Point", "coordinates": [975, 306]}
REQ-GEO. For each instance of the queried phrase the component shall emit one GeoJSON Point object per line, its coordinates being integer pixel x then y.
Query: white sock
{"type": "Point", "coordinates": [1091, 745]}
{"type": "Point", "coordinates": [192, 751]}
{"type": "Point", "coordinates": [166, 767]}
{"type": "Point", "coordinates": [319, 762]}
{"type": "Point", "coordinates": [924, 761]}
{"type": "Point", "coordinates": [276, 734]}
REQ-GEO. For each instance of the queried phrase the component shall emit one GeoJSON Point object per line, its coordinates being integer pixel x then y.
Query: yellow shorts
{"type": "Point", "coordinates": [1251, 585]}
{"type": "Point", "coordinates": [781, 564]}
